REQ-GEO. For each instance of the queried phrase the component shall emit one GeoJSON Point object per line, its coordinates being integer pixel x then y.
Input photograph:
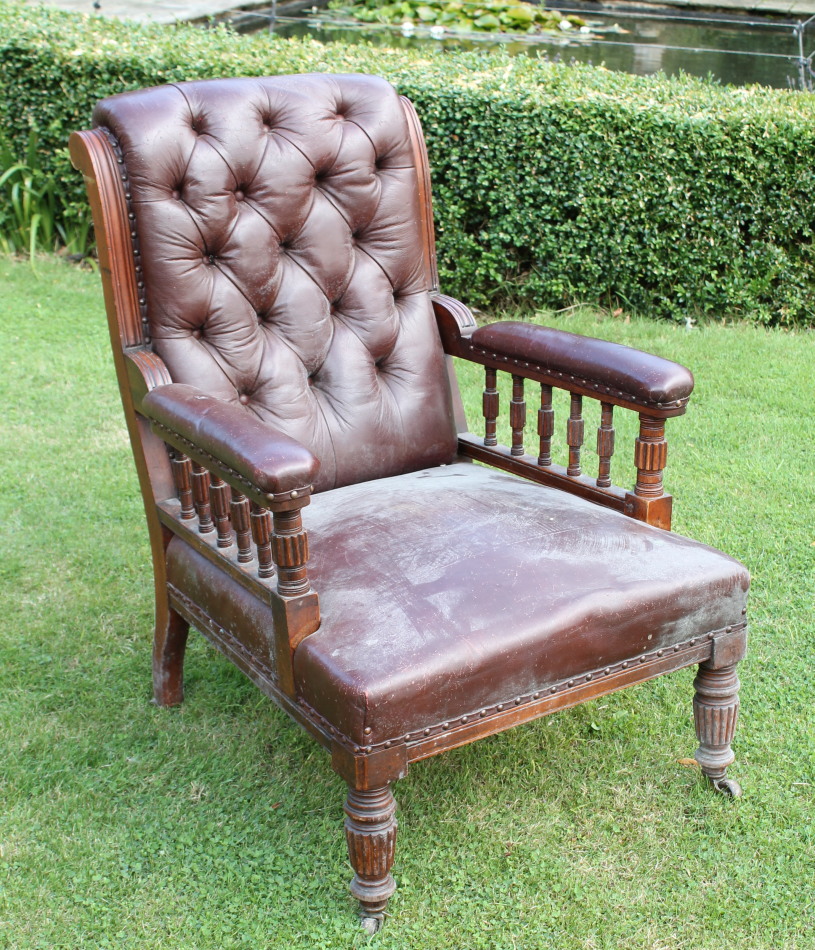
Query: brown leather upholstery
{"type": "Point", "coordinates": [279, 235]}
{"type": "Point", "coordinates": [455, 589]}
{"type": "Point", "coordinates": [266, 251]}
{"type": "Point", "coordinates": [250, 447]}
{"type": "Point", "coordinates": [474, 587]}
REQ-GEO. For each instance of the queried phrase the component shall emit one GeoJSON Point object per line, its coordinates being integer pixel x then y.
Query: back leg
{"type": "Point", "coordinates": [169, 643]}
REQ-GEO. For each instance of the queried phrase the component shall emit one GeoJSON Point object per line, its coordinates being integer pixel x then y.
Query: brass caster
{"type": "Point", "coordinates": [371, 925]}
{"type": "Point", "coordinates": [727, 786]}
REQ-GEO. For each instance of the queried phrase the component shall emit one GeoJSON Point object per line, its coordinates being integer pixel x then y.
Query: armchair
{"type": "Point", "coordinates": [268, 262]}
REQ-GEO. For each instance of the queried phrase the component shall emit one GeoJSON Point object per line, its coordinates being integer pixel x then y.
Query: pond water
{"type": "Point", "coordinates": [738, 49]}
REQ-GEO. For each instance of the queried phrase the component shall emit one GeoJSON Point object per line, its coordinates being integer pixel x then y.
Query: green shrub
{"type": "Point", "coordinates": [551, 182]}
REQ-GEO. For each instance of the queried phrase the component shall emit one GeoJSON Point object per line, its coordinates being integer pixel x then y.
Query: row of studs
{"type": "Point", "coordinates": [334, 304]}
{"type": "Point", "coordinates": [587, 383]}
{"type": "Point", "coordinates": [203, 618]}
{"type": "Point", "coordinates": [134, 240]}
{"type": "Point", "coordinates": [234, 476]}
{"type": "Point", "coordinates": [285, 247]}
{"type": "Point", "coordinates": [492, 711]}
{"type": "Point", "coordinates": [244, 398]}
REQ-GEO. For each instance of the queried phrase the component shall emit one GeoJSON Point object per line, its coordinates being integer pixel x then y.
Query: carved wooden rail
{"type": "Point", "coordinates": [648, 500]}
{"type": "Point", "coordinates": [222, 515]}
{"type": "Point", "coordinates": [264, 550]}
{"type": "Point", "coordinates": [278, 538]}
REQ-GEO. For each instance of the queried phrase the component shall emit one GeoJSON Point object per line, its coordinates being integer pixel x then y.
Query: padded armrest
{"type": "Point", "coordinates": [231, 435]}
{"type": "Point", "coordinates": [644, 379]}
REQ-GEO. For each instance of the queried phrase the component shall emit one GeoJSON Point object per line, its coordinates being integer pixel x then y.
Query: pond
{"type": "Point", "coordinates": [738, 49]}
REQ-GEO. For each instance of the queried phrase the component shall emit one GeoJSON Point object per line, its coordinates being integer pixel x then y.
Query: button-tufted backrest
{"type": "Point", "coordinates": [281, 254]}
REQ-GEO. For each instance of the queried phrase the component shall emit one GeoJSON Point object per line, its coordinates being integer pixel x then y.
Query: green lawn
{"type": "Point", "coordinates": [219, 824]}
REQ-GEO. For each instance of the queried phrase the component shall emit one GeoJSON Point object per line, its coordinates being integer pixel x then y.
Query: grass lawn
{"type": "Point", "coordinates": [219, 824]}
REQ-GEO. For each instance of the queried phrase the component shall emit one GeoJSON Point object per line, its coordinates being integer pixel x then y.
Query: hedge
{"type": "Point", "coordinates": [552, 183]}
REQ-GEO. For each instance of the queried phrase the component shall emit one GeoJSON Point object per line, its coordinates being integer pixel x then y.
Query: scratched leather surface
{"type": "Point", "coordinates": [278, 221]}
{"type": "Point", "coordinates": [447, 590]}
{"type": "Point", "coordinates": [443, 591]}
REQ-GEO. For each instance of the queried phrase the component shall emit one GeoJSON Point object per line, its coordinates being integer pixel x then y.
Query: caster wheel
{"type": "Point", "coordinates": [371, 925]}
{"type": "Point", "coordinates": [728, 786]}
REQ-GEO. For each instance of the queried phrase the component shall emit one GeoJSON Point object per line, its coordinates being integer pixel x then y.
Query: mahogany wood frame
{"type": "Point", "coordinates": [189, 494]}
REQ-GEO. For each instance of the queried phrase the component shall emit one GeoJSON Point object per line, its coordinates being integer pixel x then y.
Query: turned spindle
{"type": "Point", "coordinates": [200, 494]}
{"type": "Point", "coordinates": [290, 552]}
{"type": "Point", "coordinates": [546, 425]}
{"type": "Point", "coordinates": [220, 497]}
{"type": "Point", "coordinates": [490, 407]}
{"type": "Point", "coordinates": [650, 456]}
{"type": "Point", "coordinates": [370, 830]}
{"type": "Point", "coordinates": [574, 434]}
{"type": "Point", "coordinates": [605, 444]}
{"type": "Point", "coordinates": [262, 536]}
{"type": "Point", "coordinates": [182, 476]}
{"type": "Point", "coordinates": [241, 521]}
{"type": "Point", "coordinates": [517, 415]}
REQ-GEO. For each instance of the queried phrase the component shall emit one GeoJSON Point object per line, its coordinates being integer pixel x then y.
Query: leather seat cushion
{"type": "Point", "coordinates": [448, 590]}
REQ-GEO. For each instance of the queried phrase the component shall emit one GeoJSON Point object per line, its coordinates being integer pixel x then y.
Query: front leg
{"type": "Point", "coordinates": [370, 829]}
{"type": "Point", "coordinates": [715, 711]}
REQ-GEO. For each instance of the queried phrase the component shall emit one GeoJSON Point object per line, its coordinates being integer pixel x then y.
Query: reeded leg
{"type": "Point", "coordinates": [370, 829]}
{"type": "Point", "coordinates": [169, 643]}
{"type": "Point", "coordinates": [715, 711]}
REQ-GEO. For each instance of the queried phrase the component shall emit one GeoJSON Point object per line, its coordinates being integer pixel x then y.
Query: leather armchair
{"type": "Point", "coordinates": [267, 256]}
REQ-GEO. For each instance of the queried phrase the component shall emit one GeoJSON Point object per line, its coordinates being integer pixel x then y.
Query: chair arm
{"type": "Point", "coordinates": [612, 374]}
{"type": "Point", "coordinates": [606, 371]}
{"type": "Point", "coordinates": [606, 368]}
{"type": "Point", "coordinates": [271, 467]}
{"type": "Point", "coordinates": [234, 448]}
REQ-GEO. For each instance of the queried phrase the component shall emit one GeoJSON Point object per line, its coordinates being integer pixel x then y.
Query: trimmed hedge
{"type": "Point", "coordinates": [552, 183]}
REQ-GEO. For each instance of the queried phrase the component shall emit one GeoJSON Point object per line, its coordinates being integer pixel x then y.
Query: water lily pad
{"type": "Point", "coordinates": [484, 16]}
{"type": "Point", "coordinates": [520, 15]}
{"type": "Point", "coordinates": [489, 21]}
